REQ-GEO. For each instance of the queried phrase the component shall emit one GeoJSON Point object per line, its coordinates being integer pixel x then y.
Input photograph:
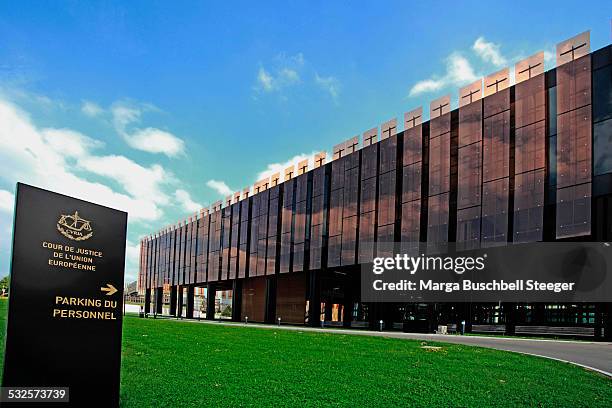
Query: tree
{"type": "Point", "coordinates": [4, 285]}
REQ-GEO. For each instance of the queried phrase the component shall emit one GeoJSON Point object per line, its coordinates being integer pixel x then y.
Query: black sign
{"type": "Point", "coordinates": [65, 304]}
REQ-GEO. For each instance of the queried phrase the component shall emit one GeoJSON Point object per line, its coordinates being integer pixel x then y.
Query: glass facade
{"type": "Point", "coordinates": [530, 161]}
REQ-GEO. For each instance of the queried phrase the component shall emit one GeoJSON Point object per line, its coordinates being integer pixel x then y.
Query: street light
{"type": "Point", "coordinates": [381, 325]}
{"type": "Point", "coordinates": [246, 319]}
{"type": "Point", "coordinates": [279, 320]}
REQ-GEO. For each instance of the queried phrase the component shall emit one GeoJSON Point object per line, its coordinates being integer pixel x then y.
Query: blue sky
{"type": "Point", "coordinates": [160, 108]}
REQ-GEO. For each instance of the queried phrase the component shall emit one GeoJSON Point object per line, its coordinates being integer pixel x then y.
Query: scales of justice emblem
{"type": "Point", "coordinates": [73, 227]}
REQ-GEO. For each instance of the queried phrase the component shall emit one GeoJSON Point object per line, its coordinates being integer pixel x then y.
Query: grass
{"type": "Point", "coordinates": [176, 363]}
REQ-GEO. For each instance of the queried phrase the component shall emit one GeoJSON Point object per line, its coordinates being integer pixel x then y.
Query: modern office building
{"type": "Point", "coordinates": [515, 163]}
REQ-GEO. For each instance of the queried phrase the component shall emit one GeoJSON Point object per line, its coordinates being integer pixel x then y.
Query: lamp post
{"type": "Point", "coordinates": [246, 319]}
{"type": "Point", "coordinates": [279, 320]}
{"type": "Point", "coordinates": [381, 325]}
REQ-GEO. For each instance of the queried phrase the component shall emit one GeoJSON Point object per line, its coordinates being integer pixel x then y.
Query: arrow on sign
{"type": "Point", "coordinates": [109, 289]}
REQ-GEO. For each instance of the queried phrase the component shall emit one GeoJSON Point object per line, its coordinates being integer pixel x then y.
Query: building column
{"type": "Point", "coordinates": [147, 302]}
{"type": "Point", "coordinates": [173, 296]}
{"type": "Point", "coordinates": [190, 301]}
{"type": "Point", "coordinates": [180, 305]}
{"type": "Point", "coordinates": [510, 313]}
{"type": "Point", "coordinates": [347, 317]}
{"type": "Point", "coordinates": [211, 293]}
{"type": "Point", "coordinates": [236, 300]}
{"type": "Point", "coordinates": [314, 299]}
{"type": "Point", "coordinates": [607, 324]}
{"type": "Point", "coordinates": [270, 314]}
{"type": "Point", "coordinates": [159, 300]}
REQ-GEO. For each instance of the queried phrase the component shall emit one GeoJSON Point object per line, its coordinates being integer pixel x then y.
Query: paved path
{"type": "Point", "coordinates": [596, 356]}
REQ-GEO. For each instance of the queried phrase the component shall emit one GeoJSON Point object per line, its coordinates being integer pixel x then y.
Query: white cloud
{"type": "Point", "coordinates": [285, 73]}
{"type": "Point", "coordinates": [329, 84]}
{"type": "Point", "coordinates": [459, 72]}
{"type": "Point", "coordinates": [151, 140]}
{"type": "Point", "coordinates": [220, 187]}
{"type": "Point", "coordinates": [184, 199]}
{"type": "Point", "coordinates": [489, 52]}
{"type": "Point", "coordinates": [280, 167]}
{"type": "Point", "coordinates": [7, 201]}
{"type": "Point", "coordinates": [264, 79]}
{"type": "Point", "coordinates": [91, 109]}
{"type": "Point", "coordinates": [63, 160]}
{"type": "Point", "coordinates": [132, 260]}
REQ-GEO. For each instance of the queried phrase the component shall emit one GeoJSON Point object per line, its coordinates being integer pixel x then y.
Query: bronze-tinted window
{"type": "Point", "coordinates": [574, 211]}
{"type": "Point", "coordinates": [528, 206]}
{"type": "Point", "coordinates": [495, 212]}
{"type": "Point", "coordinates": [413, 145]}
{"type": "Point", "coordinates": [468, 228]}
{"type": "Point", "coordinates": [439, 164]}
{"type": "Point", "coordinates": [386, 199]}
{"type": "Point", "coordinates": [411, 182]}
{"type": "Point", "coordinates": [574, 85]}
{"type": "Point", "coordinates": [470, 123]}
{"type": "Point", "coordinates": [530, 101]}
{"type": "Point", "coordinates": [411, 223]}
{"type": "Point", "coordinates": [574, 147]}
{"type": "Point", "coordinates": [469, 176]}
{"type": "Point", "coordinates": [496, 148]}
{"type": "Point", "coordinates": [530, 147]}
{"type": "Point", "coordinates": [437, 220]}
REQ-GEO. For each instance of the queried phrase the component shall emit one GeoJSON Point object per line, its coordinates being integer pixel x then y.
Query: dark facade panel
{"type": "Point", "coordinates": [193, 250]}
{"type": "Point", "coordinates": [437, 221]}
{"type": "Point", "coordinates": [530, 101]}
{"type": "Point", "coordinates": [202, 255]}
{"type": "Point", "coordinates": [495, 212]}
{"type": "Point", "coordinates": [234, 241]}
{"type": "Point", "coordinates": [574, 211]}
{"type": "Point", "coordinates": [574, 85]}
{"type": "Point", "coordinates": [262, 232]}
{"type": "Point", "coordinates": [274, 209]}
{"type": "Point", "coordinates": [334, 248]}
{"type": "Point", "coordinates": [243, 254]}
{"type": "Point", "coordinates": [286, 243]}
{"type": "Point", "coordinates": [253, 299]}
{"type": "Point", "coordinates": [496, 145]}
{"type": "Point", "coordinates": [318, 231]}
{"type": "Point", "coordinates": [468, 228]}
{"type": "Point", "coordinates": [528, 206]}
{"type": "Point", "coordinates": [439, 163]}
{"type": "Point", "coordinates": [530, 147]}
{"type": "Point", "coordinates": [299, 227]}
{"type": "Point", "coordinates": [291, 298]}
{"type": "Point", "coordinates": [470, 123]}
{"type": "Point", "coordinates": [349, 211]}
{"type": "Point", "coordinates": [574, 147]}
{"type": "Point", "coordinates": [469, 176]}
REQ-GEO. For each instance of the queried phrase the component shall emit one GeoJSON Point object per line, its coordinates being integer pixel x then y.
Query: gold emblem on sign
{"type": "Point", "coordinates": [74, 227]}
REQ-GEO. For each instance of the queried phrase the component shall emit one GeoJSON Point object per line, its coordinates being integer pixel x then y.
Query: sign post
{"type": "Point", "coordinates": [66, 300]}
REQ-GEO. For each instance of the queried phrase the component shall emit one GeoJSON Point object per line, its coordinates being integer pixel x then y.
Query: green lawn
{"type": "Point", "coordinates": [170, 363]}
